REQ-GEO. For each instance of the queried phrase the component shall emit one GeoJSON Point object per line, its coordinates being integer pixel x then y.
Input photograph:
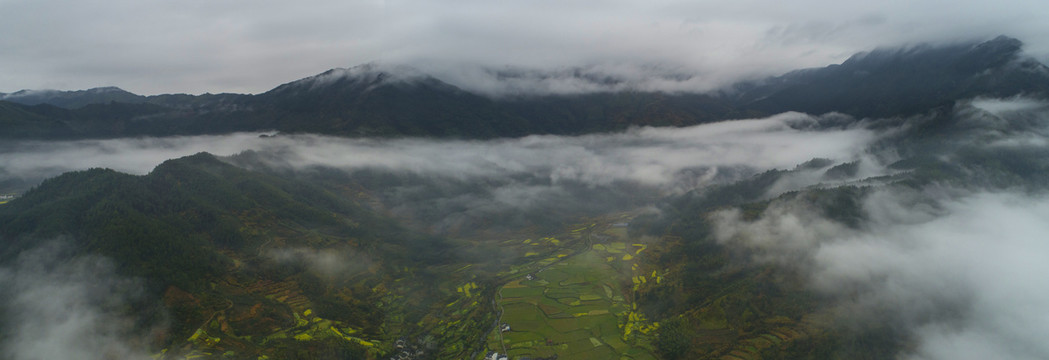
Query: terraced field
{"type": "Point", "coordinates": [575, 309]}
{"type": "Point", "coordinates": [750, 348]}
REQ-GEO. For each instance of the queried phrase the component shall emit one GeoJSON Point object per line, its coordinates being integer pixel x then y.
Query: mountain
{"type": "Point", "coordinates": [888, 82]}
{"type": "Point", "coordinates": [73, 99]}
{"type": "Point", "coordinates": [45, 121]}
{"type": "Point", "coordinates": [208, 237]}
{"type": "Point", "coordinates": [384, 100]}
{"type": "Point", "coordinates": [307, 264]}
{"type": "Point", "coordinates": [897, 240]}
{"type": "Point", "coordinates": [375, 99]}
{"type": "Point", "coordinates": [198, 204]}
{"type": "Point", "coordinates": [940, 159]}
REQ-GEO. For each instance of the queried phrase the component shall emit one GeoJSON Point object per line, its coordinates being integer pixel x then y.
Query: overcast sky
{"type": "Point", "coordinates": [196, 46]}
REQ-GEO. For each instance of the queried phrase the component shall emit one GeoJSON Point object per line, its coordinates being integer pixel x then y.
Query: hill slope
{"type": "Point", "coordinates": [212, 241]}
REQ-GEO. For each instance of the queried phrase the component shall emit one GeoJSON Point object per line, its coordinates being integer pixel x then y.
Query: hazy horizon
{"type": "Point", "coordinates": [241, 47]}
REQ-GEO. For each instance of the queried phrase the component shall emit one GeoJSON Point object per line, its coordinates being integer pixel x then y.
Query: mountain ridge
{"type": "Point", "coordinates": [73, 99]}
{"type": "Point", "coordinates": [904, 80]}
{"type": "Point", "coordinates": [391, 100]}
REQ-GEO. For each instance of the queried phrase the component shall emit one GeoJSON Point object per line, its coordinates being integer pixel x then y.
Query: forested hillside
{"type": "Point", "coordinates": [212, 241]}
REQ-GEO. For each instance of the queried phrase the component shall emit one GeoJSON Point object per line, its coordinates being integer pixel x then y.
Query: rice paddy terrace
{"type": "Point", "coordinates": [577, 306]}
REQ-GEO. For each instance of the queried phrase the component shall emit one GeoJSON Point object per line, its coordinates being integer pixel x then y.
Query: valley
{"type": "Point", "coordinates": [863, 210]}
{"type": "Point", "coordinates": [567, 296]}
{"type": "Point", "coordinates": [575, 307]}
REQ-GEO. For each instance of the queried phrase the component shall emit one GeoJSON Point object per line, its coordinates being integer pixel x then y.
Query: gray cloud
{"type": "Point", "coordinates": [660, 157]}
{"type": "Point", "coordinates": [454, 186]}
{"type": "Point", "coordinates": [240, 46]}
{"type": "Point", "coordinates": [954, 264]}
{"type": "Point", "coordinates": [962, 277]}
{"type": "Point", "coordinates": [56, 306]}
{"type": "Point", "coordinates": [329, 264]}
{"type": "Point", "coordinates": [25, 163]}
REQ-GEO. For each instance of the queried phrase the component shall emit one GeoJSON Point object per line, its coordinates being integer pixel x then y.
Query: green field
{"type": "Point", "coordinates": [575, 309]}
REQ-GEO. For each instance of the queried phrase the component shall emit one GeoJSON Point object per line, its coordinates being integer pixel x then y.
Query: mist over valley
{"type": "Point", "coordinates": [891, 206]}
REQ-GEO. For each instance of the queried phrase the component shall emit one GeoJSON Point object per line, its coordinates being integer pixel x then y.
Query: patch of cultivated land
{"type": "Point", "coordinates": [574, 309]}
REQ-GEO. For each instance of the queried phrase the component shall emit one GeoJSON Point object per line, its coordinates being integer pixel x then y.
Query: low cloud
{"type": "Point", "coordinates": [952, 262]}
{"type": "Point", "coordinates": [511, 81]}
{"type": "Point", "coordinates": [650, 156]}
{"type": "Point", "coordinates": [981, 258]}
{"type": "Point", "coordinates": [958, 273]}
{"type": "Point", "coordinates": [1001, 106]}
{"type": "Point", "coordinates": [786, 233]}
{"type": "Point", "coordinates": [58, 306]}
{"type": "Point", "coordinates": [329, 264]}
{"type": "Point", "coordinates": [454, 185]}
{"type": "Point", "coordinates": [33, 161]}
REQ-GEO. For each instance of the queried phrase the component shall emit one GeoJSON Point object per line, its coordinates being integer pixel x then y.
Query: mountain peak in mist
{"type": "Point", "coordinates": [888, 82]}
{"type": "Point", "coordinates": [377, 99]}
{"type": "Point", "coordinates": [965, 57]}
{"type": "Point", "coordinates": [381, 99]}
{"type": "Point", "coordinates": [512, 81]}
{"type": "Point", "coordinates": [360, 78]}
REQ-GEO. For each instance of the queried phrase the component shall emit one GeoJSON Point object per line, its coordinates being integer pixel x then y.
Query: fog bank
{"type": "Point", "coordinates": [951, 255]}
{"type": "Point", "coordinates": [55, 306]}
{"type": "Point", "coordinates": [648, 156]}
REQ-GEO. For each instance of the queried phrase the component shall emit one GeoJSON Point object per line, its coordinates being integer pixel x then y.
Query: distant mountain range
{"type": "Point", "coordinates": [73, 99]}
{"type": "Point", "coordinates": [382, 100]}
{"type": "Point", "coordinates": [250, 257]}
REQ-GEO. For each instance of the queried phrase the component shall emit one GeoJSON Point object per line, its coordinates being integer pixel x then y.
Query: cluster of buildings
{"type": "Point", "coordinates": [407, 351]}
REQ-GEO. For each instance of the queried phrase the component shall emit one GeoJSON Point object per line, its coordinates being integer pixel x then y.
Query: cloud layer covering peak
{"type": "Point", "coordinates": [240, 46]}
